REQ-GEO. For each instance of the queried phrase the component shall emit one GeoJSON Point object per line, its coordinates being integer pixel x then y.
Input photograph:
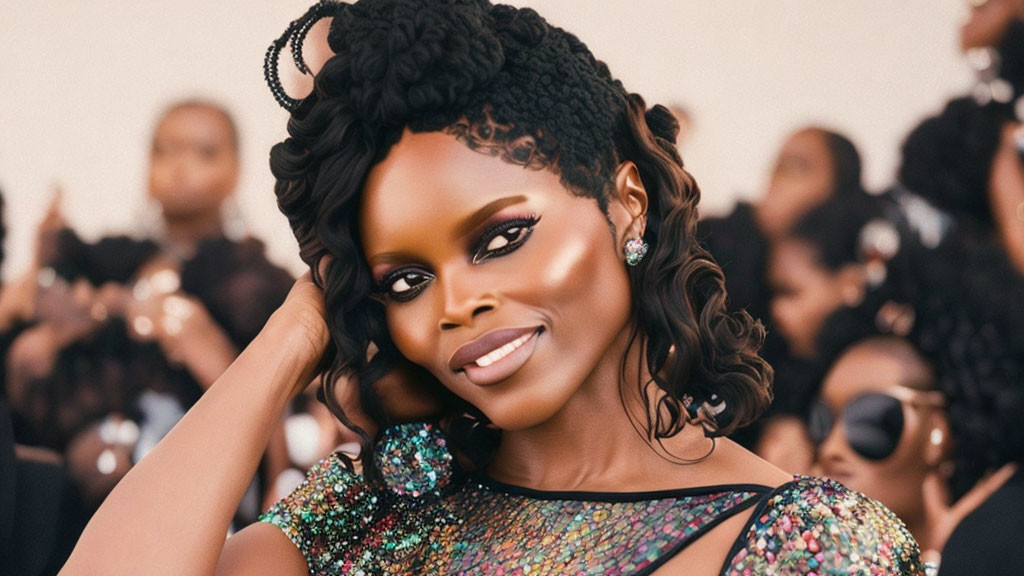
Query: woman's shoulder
{"type": "Point", "coordinates": [815, 525]}
{"type": "Point", "coordinates": [336, 515]}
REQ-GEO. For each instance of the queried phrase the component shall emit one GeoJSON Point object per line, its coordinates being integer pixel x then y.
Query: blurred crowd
{"type": "Point", "coordinates": [895, 323]}
{"type": "Point", "coordinates": [105, 345]}
{"type": "Point", "coordinates": [896, 317]}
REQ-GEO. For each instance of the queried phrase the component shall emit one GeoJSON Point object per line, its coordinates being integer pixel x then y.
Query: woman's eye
{"type": "Point", "coordinates": [404, 285]}
{"type": "Point", "coordinates": [504, 238]}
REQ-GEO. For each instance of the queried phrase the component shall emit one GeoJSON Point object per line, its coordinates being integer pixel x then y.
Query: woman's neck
{"type": "Point", "coordinates": [592, 444]}
{"type": "Point", "coordinates": [182, 235]}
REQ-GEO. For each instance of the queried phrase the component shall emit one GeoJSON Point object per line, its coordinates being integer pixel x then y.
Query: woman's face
{"type": "Point", "coordinates": [988, 22]}
{"type": "Point", "coordinates": [804, 294]}
{"type": "Point", "coordinates": [877, 366]}
{"type": "Point", "coordinates": [803, 178]}
{"type": "Point", "coordinates": [506, 286]}
{"type": "Point", "coordinates": [193, 163]}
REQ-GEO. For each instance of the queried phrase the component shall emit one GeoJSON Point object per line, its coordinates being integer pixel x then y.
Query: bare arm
{"type": "Point", "coordinates": [171, 512]}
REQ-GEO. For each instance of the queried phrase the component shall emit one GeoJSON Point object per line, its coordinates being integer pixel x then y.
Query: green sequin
{"type": "Point", "coordinates": [426, 521]}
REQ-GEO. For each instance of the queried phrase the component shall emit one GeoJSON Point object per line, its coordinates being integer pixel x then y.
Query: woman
{"type": "Point", "coordinates": [126, 334]}
{"type": "Point", "coordinates": [478, 198]}
{"type": "Point", "coordinates": [818, 268]}
{"type": "Point", "coordinates": [923, 401]}
{"type": "Point", "coordinates": [813, 167]}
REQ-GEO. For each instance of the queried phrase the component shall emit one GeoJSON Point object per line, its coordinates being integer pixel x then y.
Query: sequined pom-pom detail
{"type": "Point", "coordinates": [414, 459]}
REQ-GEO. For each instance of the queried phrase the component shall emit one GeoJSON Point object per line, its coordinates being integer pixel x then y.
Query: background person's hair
{"type": "Point", "coordinates": [833, 229]}
{"type": "Point", "coordinates": [962, 305]}
{"type": "Point", "coordinates": [204, 104]}
{"type": "Point", "coordinates": [947, 159]}
{"type": "Point", "coordinates": [846, 164]}
{"type": "Point", "coordinates": [503, 81]}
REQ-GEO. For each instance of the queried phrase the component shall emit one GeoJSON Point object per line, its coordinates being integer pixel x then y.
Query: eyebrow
{"type": "Point", "coordinates": [468, 224]}
{"type": "Point", "coordinates": [480, 216]}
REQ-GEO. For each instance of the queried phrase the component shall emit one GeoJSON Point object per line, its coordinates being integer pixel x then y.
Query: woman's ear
{"type": "Point", "coordinates": [628, 206]}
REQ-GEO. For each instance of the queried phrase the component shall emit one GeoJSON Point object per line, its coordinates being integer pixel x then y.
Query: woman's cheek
{"type": "Point", "coordinates": [409, 331]}
{"type": "Point", "coordinates": [564, 268]}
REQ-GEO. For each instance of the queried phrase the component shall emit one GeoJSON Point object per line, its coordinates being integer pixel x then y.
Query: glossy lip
{"type": "Point", "coordinates": [464, 359]}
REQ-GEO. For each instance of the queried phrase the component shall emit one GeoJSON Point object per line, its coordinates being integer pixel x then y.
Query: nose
{"type": "Point", "coordinates": [464, 298]}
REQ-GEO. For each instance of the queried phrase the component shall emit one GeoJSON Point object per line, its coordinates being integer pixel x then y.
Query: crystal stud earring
{"type": "Point", "coordinates": [636, 249]}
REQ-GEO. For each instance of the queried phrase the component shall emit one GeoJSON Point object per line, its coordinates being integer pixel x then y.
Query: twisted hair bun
{"type": "Point", "coordinates": [505, 82]}
{"type": "Point", "coordinates": [662, 122]}
{"type": "Point", "coordinates": [400, 59]}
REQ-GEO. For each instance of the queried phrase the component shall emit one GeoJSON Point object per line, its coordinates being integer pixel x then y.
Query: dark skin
{"type": "Point", "coordinates": [805, 292]}
{"type": "Point", "coordinates": [565, 286]}
{"type": "Point", "coordinates": [802, 178]}
{"type": "Point", "coordinates": [193, 169]}
{"type": "Point", "coordinates": [911, 481]}
{"type": "Point", "coordinates": [988, 22]}
{"type": "Point", "coordinates": [554, 396]}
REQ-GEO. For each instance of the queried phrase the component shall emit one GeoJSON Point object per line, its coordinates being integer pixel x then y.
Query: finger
{"type": "Point", "coordinates": [936, 494]}
{"type": "Point", "coordinates": [981, 491]}
{"type": "Point", "coordinates": [322, 266]}
{"type": "Point", "coordinates": [54, 211]}
{"type": "Point", "coordinates": [305, 291]}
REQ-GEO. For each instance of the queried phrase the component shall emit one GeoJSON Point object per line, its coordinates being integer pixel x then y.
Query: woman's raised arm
{"type": "Point", "coordinates": [170, 514]}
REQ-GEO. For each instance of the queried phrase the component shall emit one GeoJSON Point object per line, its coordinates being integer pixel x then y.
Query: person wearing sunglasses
{"type": "Point", "coordinates": [921, 407]}
{"type": "Point", "coordinates": [880, 425]}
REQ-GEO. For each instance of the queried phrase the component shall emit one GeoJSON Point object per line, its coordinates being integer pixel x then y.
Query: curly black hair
{"type": "Point", "coordinates": [947, 159]}
{"type": "Point", "coordinates": [846, 163]}
{"type": "Point", "coordinates": [962, 301]}
{"type": "Point", "coordinates": [505, 82]}
{"type": "Point", "coordinates": [1011, 55]}
{"type": "Point", "coordinates": [833, 229]}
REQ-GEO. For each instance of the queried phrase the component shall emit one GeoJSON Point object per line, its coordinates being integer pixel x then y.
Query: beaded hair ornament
{"type": "Point", "coordinates": [499, 78]}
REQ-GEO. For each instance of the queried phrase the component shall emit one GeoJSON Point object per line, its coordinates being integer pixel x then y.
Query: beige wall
{"type": "Point", "coordinates": [80, 84]}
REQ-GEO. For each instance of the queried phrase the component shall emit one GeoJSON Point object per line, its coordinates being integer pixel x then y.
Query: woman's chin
{"type": "Point", "coordinates": [516, 418]}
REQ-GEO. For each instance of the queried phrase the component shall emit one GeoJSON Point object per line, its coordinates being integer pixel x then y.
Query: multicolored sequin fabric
{"type": "Point", "coordinates": [815, 527]}
{"type": "Point", "coordinates": [428, 521]}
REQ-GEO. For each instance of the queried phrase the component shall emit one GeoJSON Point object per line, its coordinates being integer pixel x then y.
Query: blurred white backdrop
{"type": "Point", "coordinates": [82, 83]}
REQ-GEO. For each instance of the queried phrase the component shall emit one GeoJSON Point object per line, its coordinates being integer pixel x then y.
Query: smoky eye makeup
{"type": "Point", "coordinates": [503, 237]}
{"type": "Point", "coordinates": [403, 284]}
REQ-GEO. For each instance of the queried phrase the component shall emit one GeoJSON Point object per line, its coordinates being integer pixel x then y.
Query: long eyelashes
{"type": "Point", "coordinates": [404, 284]}
{"type": "Point", "coordinates": [503, 238]}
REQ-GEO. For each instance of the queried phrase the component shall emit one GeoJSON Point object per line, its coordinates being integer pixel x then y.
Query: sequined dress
{"type": "Point", "coordinates": [434, 520]}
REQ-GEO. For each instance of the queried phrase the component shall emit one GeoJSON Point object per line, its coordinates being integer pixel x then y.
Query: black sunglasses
{"type": "Point", "coordinates": [872, 422]}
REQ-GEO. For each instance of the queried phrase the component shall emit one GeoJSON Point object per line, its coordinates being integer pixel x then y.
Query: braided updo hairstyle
{"type": "Point", "coordinates": [504, 82]}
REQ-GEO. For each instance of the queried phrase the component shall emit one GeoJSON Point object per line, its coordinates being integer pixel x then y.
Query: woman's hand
{"type": "Point", "coordinates": [406, 393]}
{"type": "Point", "coordinates": [300, 326]}
{"type": "Point", "coordinates": [943, 516]}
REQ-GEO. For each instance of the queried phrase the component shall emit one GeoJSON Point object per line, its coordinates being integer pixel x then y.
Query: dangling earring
{"type": "Point", "coordinates": [635, 250]}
